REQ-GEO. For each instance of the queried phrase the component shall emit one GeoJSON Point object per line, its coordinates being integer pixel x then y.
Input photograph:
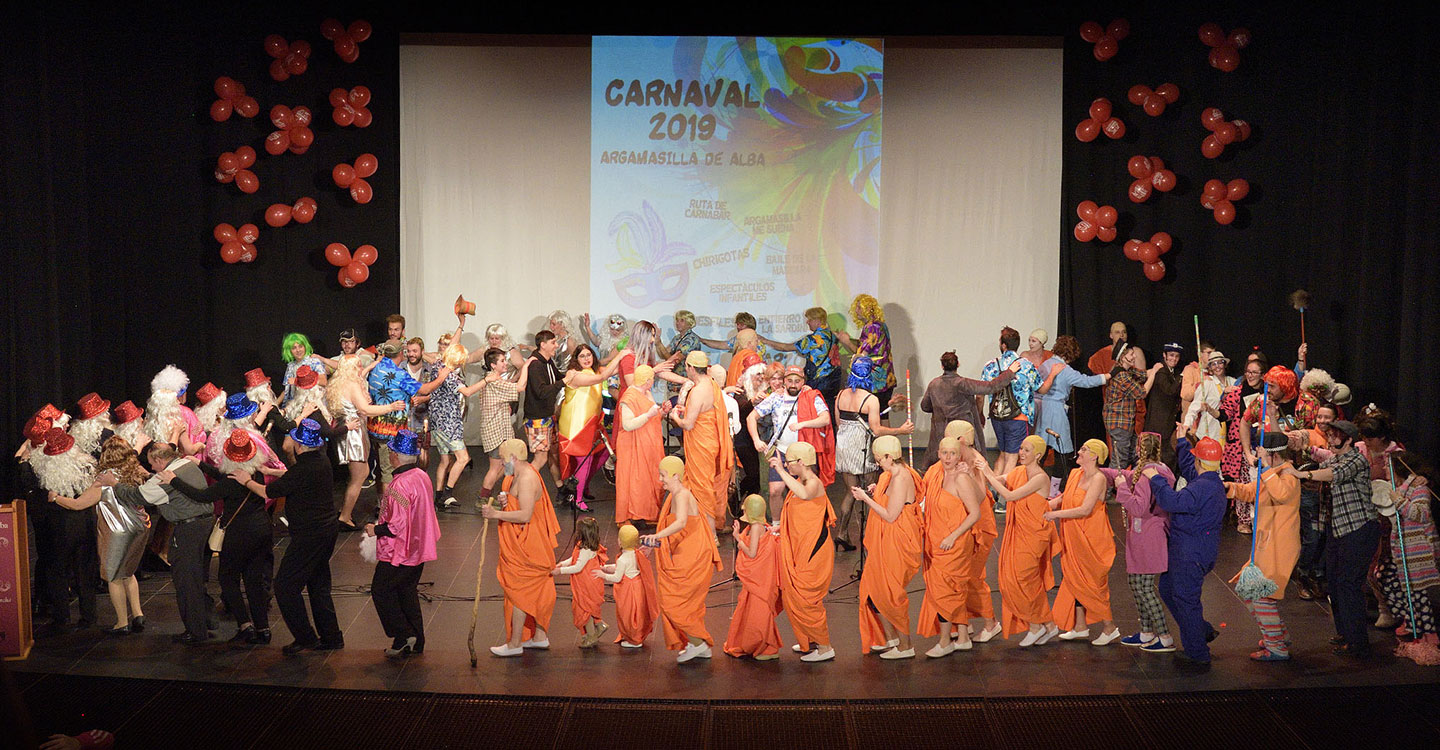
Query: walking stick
{"type": "Point", "coordinates": [908, 417]}
{"type": "Point", "coordinates": [479, 579]}
{"type": "Point", "coordinates": [1252, 583]}
{"type": "Point", "coordinates": [1404, 564]}
{"type": "Point", "coordinates": [1197, 346]}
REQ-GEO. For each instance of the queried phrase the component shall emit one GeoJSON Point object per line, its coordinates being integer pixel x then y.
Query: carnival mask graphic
{"type": "Point", "coordinates": [645, 251]}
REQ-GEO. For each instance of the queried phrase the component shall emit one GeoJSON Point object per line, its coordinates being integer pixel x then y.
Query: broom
{"type": "Point", "coordinates": [479, 580]}
{"type": "Point", "coordinates": [1300, 299]}
{"type": "Point", "coordinates": [1252, 583]}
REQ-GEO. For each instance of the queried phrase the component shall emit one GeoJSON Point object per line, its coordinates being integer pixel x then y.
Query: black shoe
{"type": "Point", "coordinates": [419, 647]}
{"type": "Point", "coordinates": [346, 528]}
{"type": "Point", "coordinates": [1212, 635]}
{"type": "Point", "coordinates": [1337, 640]}
{"type": "Point", "coordinates": [243, 636]}
{"type": "Point", "coordinates": [1184, 663]}
{"type": "Point", "coordinates": [122, 630]}
{"type": "Point", "coordinates": [845, 545]}
{"type": "Point", "coordinates": [187, 639]}
{"type": "Point", "coordinates": [330, 645]}
{"type": "Point", "coordinates": [1304, 591]}
{"type": "Point", "coordinates": [297, 647]}
{"type": "Point", "coordinates": [259, 637]}
{"type": "Point", "coordinates": [1346, 649]}
{"type": "Point", "coordinates": [137, 624]}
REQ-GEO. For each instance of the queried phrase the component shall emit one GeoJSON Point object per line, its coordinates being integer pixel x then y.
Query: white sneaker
{"type": "Point", "coordinates": [1075, 635]}
{"type": "Point", "coordinates": [1050, 633]}
{"type": "Point", "coordinates": [966, 646]}
{"type": "Point", "coordinates": [503, 650]}
{"type": "Point", "coordinates": [797, 648]}
{"type": "Point", "coordinates": [819, 655]}
{"type": "Point", "coordinates": [890, 644]}
{"type": "Point", "coordinates": [451, 502]}
{"type": "Point", "coordinates": [628, 644]}
{"type": "Point", "coordinates": [693, 651]}
{"type": "Point", "coordinates": [896, 653]}
{"type": "Point", "coordinates": [1106, 639]}
{"type": "Point", "coordinates": [985, 635]}
{"type": "Point", "coordinates": [767, 657]}
{"type": "Point", "coordinates": [1031, 638]}
{"type": "Point", "coordinates": [532, 643]}
{"type": "Point", "coordinates": [939, 650]}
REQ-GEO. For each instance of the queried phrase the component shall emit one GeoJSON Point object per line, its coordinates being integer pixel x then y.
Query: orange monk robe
{"type": "Point", "coordinates": [710, 460]}
{"type": "Point", "coordinates": [1025, 572]}
{"type": "Point", "coordinates": [527, 555]}
{"type": "Point", "coordinates": [637, 603]}
{"type": "Point", "coordinates": [739, 361]}
{"type": "Point", "coordinates": [893, 550]}
{"type": "Point", "coordinates": [685, 561]}
{"type": "Point", "coordinates": [1089, 545]}
{"type": "Point", "coordinates": [979, 599]}
{"type": "Point", "coordinates": [637, 453]}
{"type": "Point", "coordinates": [946, 571]}
{"type": "Point", "coordinates": [752, 627]}
{"type": "Point", "coordinates": [807, 563]}
{"type": "Point", "coordinates": [587, 592]}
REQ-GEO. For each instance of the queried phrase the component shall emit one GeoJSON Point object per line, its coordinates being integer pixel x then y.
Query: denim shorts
{"type": "Point", "coordinates": [1009, 433]}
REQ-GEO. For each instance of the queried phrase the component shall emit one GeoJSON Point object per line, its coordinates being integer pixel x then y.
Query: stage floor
{"type": "Point", "coordinates": [994, 669]}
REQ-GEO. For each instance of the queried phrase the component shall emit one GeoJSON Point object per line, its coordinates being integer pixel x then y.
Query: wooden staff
{"type": "Point", "coordinates": [479, 580]}
{"type": "Point", "coordinates": [908, 417]}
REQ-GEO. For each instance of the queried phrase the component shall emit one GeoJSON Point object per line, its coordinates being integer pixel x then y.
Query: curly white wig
{"type": "Point", "coordinates": [171, 379]}
{"type": "Point", "coordinates": [67, 474]}
{"type": "Point", "coordinates": [1317, 381]}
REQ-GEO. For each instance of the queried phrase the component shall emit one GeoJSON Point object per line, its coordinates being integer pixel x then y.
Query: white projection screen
{"type": "Point", "coordinates": [497, 165]}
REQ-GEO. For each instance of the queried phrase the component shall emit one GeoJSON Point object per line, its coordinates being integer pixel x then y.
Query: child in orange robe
{"type": "Point", "coordinates": [637, 605]}
{"type": "Point", "coordinates": [587, 592]}
{"type": "Point", "coordinates": [752, 627]}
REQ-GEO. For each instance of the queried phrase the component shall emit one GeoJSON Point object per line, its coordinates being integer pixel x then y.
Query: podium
{"type": "Point", "coordinates": [16, 635]}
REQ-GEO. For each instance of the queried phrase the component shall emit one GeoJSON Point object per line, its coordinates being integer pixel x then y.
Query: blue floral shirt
{"type": "Point", "coordinates": [815, 347]}
{"type": "Point", "coordinates": [1026, 381]}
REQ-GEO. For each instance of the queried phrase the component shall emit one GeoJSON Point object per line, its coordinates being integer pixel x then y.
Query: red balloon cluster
{"type": "Point", "coordinates": [234, 166]}
{"type": "Point", "coordinates": [1154, 101]}
{"type": "Point", "coordinates": [292, 130]}
{"type": "Point", "coordinates": [1100, 120]}
{"type": "Point", "coordinates": [353, 177]}
{"type": "Point", "coordinates": [1222, 133]}
{"type": "Point", "coordinates": [232, 99]}
{"type": "Point", "coordinates": [346, 39]}
{"type": "Point", "coordinates": [1106, 39]}
{"type": "Point", "coordinates": [1220, 197]}
{"type": "Point", "coordinates": [1149, 172]}
{"type": "Point", "coordinates": [354, 269]}
{"type": "Point", "coordinates": [279, 214]}
{"type": "Point", "coordinates": [237, 245]}
{"type": "Point", "coordinates": [1095, 221]}
{"type": "Point", "coordinates": [1148, 252]}
{"type": "Point", "coordinates": [290, 59]}
{"type": "Point", "coordinates": [350, 107]}
{"type": "Point", "coordinates": [1224, 48]}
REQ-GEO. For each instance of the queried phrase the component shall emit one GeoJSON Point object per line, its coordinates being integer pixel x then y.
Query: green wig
{"type": "Point", "coordinates": [291, 339]}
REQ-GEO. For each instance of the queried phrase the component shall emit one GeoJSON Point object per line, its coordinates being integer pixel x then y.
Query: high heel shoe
{"type": "Point", "coordinates": [122, 630]}
{"type": "Point", "coordinates": [845, 544]}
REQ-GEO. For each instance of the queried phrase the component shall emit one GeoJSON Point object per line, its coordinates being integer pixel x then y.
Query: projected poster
{"type": "Point", "coordinates": [734, 174]}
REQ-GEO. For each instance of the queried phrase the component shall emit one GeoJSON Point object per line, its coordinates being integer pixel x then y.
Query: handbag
{"type": "Point", "coordinates": [217, 534]}
{"type": "Point", "coordinates": [1004, 405]}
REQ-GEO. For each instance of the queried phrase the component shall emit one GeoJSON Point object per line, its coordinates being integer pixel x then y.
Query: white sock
{"type": "Point", "coordinates": [1166, 640]}
{"type": "Point", "coordinates": [1147, 637]}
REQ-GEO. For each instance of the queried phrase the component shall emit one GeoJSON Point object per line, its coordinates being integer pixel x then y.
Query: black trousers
{"type": "Point", "coordinates": [306, 568]}
{"type": "Point", "coordinates": [397, 600]}
{"type": "Point", "coordinates": [68, 560]}
{"type": "Point", "coordinates": [189, 558]}
{"type": "Point", "coordinates": [749, 461]}
{"type": "Point", "coordinates": [1347, 558]}
{"type": "Point", "coordinates": [248, 557]}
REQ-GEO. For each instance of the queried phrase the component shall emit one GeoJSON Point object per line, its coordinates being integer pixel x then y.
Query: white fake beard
{"type": "Point", "coordinates": [210, 414]}
{"type": "Point", "coordinates": [248, 467]}
{"type": "Point", "coordinates": [87, 432]}
{"type": "Point", "coordinates": [162, 414]}
{"type": "Point", "coordinates": [131, 431]}
{"type": "Point", "coordinates": [261, 394]}
{"type": "Point", "coordinates": [67, 474]}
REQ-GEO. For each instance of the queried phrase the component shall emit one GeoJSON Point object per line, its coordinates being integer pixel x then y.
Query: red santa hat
{"type": "Point", "coordinates": [91, 406]}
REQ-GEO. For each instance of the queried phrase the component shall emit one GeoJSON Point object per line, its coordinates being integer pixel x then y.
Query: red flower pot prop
{"type": "Point", "coordinates": [1222, 133]}
{"type": "Point", "coordinates": [1106, 39]}
{"type": "Point", "coordinates": [1101, 120]}
{"type": "Point", "coordinates": [1224, 48]}
{"type": "Point", "coordinates": [1221, 197]}
{"type": "Point", "coordinates": [346, 39]}
{"type": "Point", "coordinates": [350, 107]}
{"type": "Point", "coordinates": [232, 99]}
{"type": "Point", "coordinates": [1095, 222]}
{"type": "Point", "coordinates": [292, 130]}
{"type": "Point", "coordinates": [290, 59]}
{"type": "Point", "coordinates": [234, 166]}
{"type": "Point", "coordinates": [353, 177]}
{"type": "Point", "coordinates": [237, 245]}
{"type": "Point", "coordinates": [1153, 101]}
{"type": "Point", "coordinates": [354, 269]}
{"type": "Point", "coordinates": [1150, 174]}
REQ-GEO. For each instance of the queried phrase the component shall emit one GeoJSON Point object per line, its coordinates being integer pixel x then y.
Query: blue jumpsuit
{"type": "Point", "coordinates": [1196, 513]}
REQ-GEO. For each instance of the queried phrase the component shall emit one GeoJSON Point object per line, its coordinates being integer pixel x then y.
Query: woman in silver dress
{"type": "Point", "coordinates": [858, 415]}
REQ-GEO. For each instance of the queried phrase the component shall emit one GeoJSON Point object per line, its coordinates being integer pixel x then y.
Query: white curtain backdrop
{"type": "Point", "coordinates": [495, 205]}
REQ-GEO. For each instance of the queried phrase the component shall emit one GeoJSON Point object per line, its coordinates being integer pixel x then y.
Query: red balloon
{"type": "Point", "coordinates": [246, 106]}
{"type": "Point", "coordinates": [248, 233]}
{"type": "Point", "coordinates": [1100, 110]}
{"type": "Point", "coordinates": [1087, 130]}
{"type": "Point", "coordinates": [301, 138]}
{"type": "Point", "coordinates": [1137, 94]}
{"type": "Point", "coordinates": [1239, 38]}
{"type": "Point", "coordinates": [281, 117]}
{"type": "Point", "coordinates": [1227, 58]}
{"type": "Point", "coordinates": [302, 212]}
{"type": "Point", "coordinates": [351, 56]}
{"type": "Point", "coordinates": [1139, 191]}
{"type": "Point", "coordinates": [247, 252]}
{"type": "Point", "coordinates": [337, 97]}
{"type": "Point", "coordinates": [225, 233]}
{"type": "Point", "coordinates": [342, 116]}
{"type": "Point", "coordinates": [277, 142]}
{"type": "Point", "coordinates": [1162, 241]}
{"type": "Point", "coordinates": [1225, 133]}
{"type": "Point", "coordinates": [331, 28]}
{"type": "Point", "coordinates": [1214, 189]}
{"type": "Point", "coordinates": [228, 163]}
{"type": "Point", "coordinates": [1085, 231]}
{"type": "Point", "coordinates": [277, 215]}
{"type": "Point", "coordinates": [359, 30]}
{"type": "Point", "coordinates": [1242, 130]}
{"type": "Point", "coordinates": [247, 182]}
{"type": "Point", "coordinates": [278, 71]}
{"type": "Point", "coordinates": [1211, 117]}
{"type": "Point", "coordinates": [1106, 48]}
{"type": "Point", "coordinates": [367, 254]}
{"type": "Point", "coordinates": [362, 118]}
{"type": "Point", "coordinates": [1106, 216]}
{"type": "Point", "coordinates": [1154, 105]}
{"type": "Point", "coordinates": [1169, 92]}
{"type": "Point", "coordinates": [365, 165]}
{"type": "Point", "coordinates": [276, 46]}
{"type": "Point", "coordinates": [1155, 271]}
{"type": "Point", "coordinates": [360, 191]}
{"type": "Point", "coordinates": [345, 280]}
{"type": "Point", "coordinates": [246, 155]}
{"type": "Point", "coordinates": [220, 110]}
{"type": "Point", "coordinates": [224, 178]}
{"type": "Point", "coordinates": [296, 64]}
{"type": "Point", "coordinates": [1211, 35]}
{"type": "Point", "coordinates": [1114, 128]}
{"type": "Point", "coordinates": [228, 88]}
{"type": "Point", "coordinates": [337, 254]}
{"type": "Point", "coordinates": [1105, 234]}
{"type": "Point", "coordinates": [1236, 189]}
{"type": "Point", "coordinates": [1148, 252]}
{"type": "Point", "coordinates": [1086, 210]}
{"type": "Point", "coordinates": [345, 46]}
{"type": "Point", "coordinates": [310, 202]}
{"type": "Point", "coordinates": [301, 117]}
{"type": "Point", "coordinates": [357, 271]}
{"type": "Point", "coordinates": [1091, 31]}
{"type": "Point", "coordinates": [344, 174]}
{"type": "Point", "coordinates": [1156, 164]}
{"type": "Point", "coordinates": [1119, 29]}
{"type": "Point", "coordinates": [301, 48]}
{"type": "Point", "coordinates": [1164, 180]}
{"type": "Point", "coordinates": [1224, 212]}
{"type": "Point", "coordinates": [1211, 147]}
{"type": "Point", "coordinates": [1132, 249]}
{"type": "Point", "coordinates": [230, 252]}
{"type": "Point", "coordinates": [358, 96]}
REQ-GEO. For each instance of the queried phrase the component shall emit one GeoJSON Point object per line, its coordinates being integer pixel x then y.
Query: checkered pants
{"type": "Point", "coordinates": [1393, 587]}
{"type": "Point", "coordinates": [1147, 600]}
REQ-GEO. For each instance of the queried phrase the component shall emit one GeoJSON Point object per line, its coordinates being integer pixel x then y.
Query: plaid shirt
{"type": "Point", "coordinates": [1121, 397]}
{"type": "Point", "coordinates": [495, 400]}
{"type": "Point", "coordinates": [1350, 502]}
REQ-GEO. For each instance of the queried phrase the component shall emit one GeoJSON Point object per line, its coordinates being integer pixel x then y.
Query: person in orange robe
{"type": "Point", "coordinates": [587, 592]}
{"type": "Point", "coordinates": [639, 446]}
{"type": "Point", "coordinates": [686, 561]}
{"type": "Point", "coordinates": [637, 605]}
{"type": "Point", "coordinates": [709, 450]}
{"type": "Point", "coordinates": [952, 507]}
{"type": "Point", "coordinates": [894, 544]}
{"type": "Point", "coordinates": [1089, 550]}
{"type": "Point", "coordinates": [1029, 543]}
{"type": "Point", "coordinates": [807, 558]}
{"type": "Point", "coordinates": [527, 529]}
{"type": "Point", "coordinates": [752, 626]}
{"type": "Point", "coordinates": [979, 600]}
